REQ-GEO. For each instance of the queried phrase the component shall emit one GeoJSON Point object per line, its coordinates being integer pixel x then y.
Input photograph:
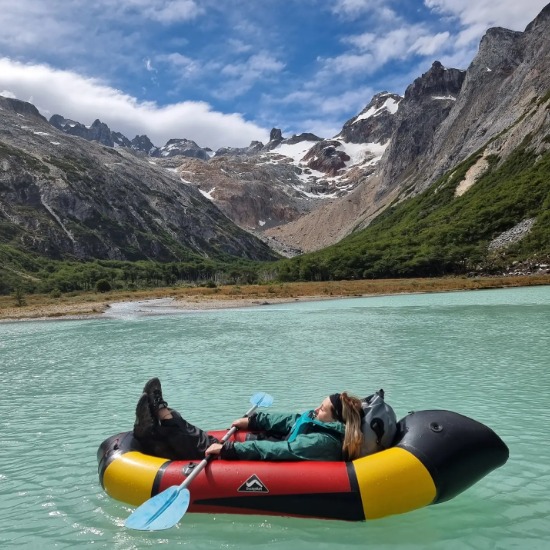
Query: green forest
{"type": "Point", "coordinates": [436, 233]}
{"type": "Point", "coordinates": [431, 234]}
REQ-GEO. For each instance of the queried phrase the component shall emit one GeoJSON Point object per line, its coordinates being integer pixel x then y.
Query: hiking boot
{"type": "Point", "coordinates": [145, 422]}
{"type": "Point", "coordinates": [154, 394]}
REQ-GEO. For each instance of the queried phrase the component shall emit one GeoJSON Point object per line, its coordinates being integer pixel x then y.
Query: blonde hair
{"type": "Point", "coordinates": [353, 437]}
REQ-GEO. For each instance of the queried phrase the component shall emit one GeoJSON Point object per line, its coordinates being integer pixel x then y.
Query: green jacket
{"type": "Point", "coordinates": [314, 440]}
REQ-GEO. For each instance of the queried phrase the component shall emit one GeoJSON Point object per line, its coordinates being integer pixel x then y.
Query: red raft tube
{"type": "Point", "coordinates": [436, 455]}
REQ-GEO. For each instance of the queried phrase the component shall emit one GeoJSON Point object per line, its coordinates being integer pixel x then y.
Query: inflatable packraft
{"type": "Point", "coordinates": [436, 455]}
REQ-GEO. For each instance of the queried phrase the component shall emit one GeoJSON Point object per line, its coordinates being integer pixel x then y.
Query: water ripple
{"type": "Point", "coordinates": [71, 384]}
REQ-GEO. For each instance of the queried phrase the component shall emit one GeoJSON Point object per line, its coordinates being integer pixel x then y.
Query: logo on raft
{"type": "Point", "coordinates": [253, 485]}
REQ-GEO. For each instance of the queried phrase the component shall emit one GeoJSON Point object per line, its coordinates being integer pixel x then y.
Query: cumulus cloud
{"type": "Point", "coordinates": [55, 91]}
{"type": "Point", "coordinates": [395, 38]}
{"type": "Point", "coordinates": [236, 53]}
{"type": "Point", "coordinates": [471, 20]}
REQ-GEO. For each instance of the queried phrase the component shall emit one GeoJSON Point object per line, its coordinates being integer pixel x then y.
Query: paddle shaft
{"type": "Point", "coordinates": [202, 464]}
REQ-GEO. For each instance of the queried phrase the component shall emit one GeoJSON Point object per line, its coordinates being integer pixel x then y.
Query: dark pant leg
{"type": "Point", "coordinates": [177, 439]}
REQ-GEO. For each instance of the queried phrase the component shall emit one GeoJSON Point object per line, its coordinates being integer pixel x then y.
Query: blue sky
{"type": "Point", "coordinates": [224, 72]}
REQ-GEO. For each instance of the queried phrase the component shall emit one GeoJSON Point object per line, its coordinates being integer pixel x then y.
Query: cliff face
{"type": "Point", "coordinates": [427, 103]}
{"type": "Point", "coordinates": [446, 116]}
{"type": "Point", "coordinates": [500, 101]}
{"type": "Point", "coordinates": [64, 197]}
{"type": "Point", "coordinates": [408, 132]}
{"type": "Point", "coordinates": [497, 100]}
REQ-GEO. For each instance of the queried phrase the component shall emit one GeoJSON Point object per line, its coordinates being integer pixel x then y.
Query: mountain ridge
{"type": "Point", "coordinates": [64, 193]}
{"type": "Point", "coordinates": [64, 197]}
{"type": "Point", "coordinates": [500, 101]}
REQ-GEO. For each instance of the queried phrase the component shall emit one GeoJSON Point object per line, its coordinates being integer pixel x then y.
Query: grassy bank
{"type": "Point", "coordinates": [91, 303]}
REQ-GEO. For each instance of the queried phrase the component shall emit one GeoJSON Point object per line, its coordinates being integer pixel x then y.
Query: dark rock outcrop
{"type": "Point", "coordinates": [20, 107]}
{"type": "Point", "coordinates": [254, 148]}
{"type": "Point", "coordinates": [375, 123]}
{"type": "Point", "coordinates": [144, 145]}
{"type": "Point", "coordinates": [427, 103]}
{"type": "Point", "coordinates": [181, 148]}
{"type": "Point", "coordinates": [326, 157]}
{"type": "Point", "coordinates": [98, 131]}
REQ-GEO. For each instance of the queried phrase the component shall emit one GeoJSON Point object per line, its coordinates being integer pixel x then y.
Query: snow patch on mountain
{"type": "Point", "coordinates": [390, 105]}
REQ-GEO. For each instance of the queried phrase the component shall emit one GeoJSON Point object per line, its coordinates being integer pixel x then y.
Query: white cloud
{"type": "Point", "coordinates": [238, 46]}
{"type": "Point", "coordinates": [322, 103]}
{"type": "Point", "coordinates": [454, 37]}
{"type": "Point", "coordinates": [254, 67]}
{"type": "Point", "coordinates": [317, 111]}
{"type": "Point", "coordinates": [241, 77]}
{"type": "Point", "coordinates": [230, 50]}
{"type": "Point", "coordinates": [181, 64]}
{"type": "Point", "coordinates": [483, 14]}
{"type": "Point", "coordinates": [84, 99]}
{"type": "Point", "coordinates": [357, 99]}
{"type": "Point", "coordinates": [429, 45]}
{"type": "Point", "coordinates": [372, 51]}
{"type": "Point", "coordinates": [352, 7]}
{"type": "Point", "coordinates": [163, 11]}
{"type": "Point", "coordinates": [80, 26]}
{"type": "Point", "coordinates": [356, 8]}
{"type": "Point", "coordinates": [8, 94]}
{"type": "Point", "coordinates": [26, 24]}
{"type": "Point", "coordinates": [391, 44]}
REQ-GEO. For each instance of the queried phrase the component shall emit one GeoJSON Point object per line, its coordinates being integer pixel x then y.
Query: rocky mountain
{"type": "Point", "coordinates": [375, 122]}
{"type": "Point", "coordinates": [501, 101]}
{"type": "Point", "coordinates": [100, 132]}
{"type": "Point", "coordinates": [445, 117]}
{"type": "Point", "coordinates": [182, 148]}
{"type": "Point", "coordinates": [64, 197]}
{"type": "Point", "coordinates": [299, 193]}
{"type": "Point", "coordinates": [265, 185]}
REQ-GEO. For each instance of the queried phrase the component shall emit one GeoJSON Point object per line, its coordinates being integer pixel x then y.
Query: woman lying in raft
{"type": "Point", "coordinates": [428, 457]}
{"type": "Point", "coordinates": [330, 432]}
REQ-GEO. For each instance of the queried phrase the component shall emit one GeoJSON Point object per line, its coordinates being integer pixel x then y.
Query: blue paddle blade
{"type": "Point", "coordinates": [261, 399]}
{"type": "Point", "coordinates": [160, 512]}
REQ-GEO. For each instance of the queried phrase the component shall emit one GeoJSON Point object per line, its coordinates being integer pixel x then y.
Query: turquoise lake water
{"type": "Point", "coordinates": [67, 385]}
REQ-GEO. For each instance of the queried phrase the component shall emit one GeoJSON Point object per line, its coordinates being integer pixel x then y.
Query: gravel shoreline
{"type": "Point", "coordinates": [154, 306]}
{"type": "Point", "coordinates": [156, 303]}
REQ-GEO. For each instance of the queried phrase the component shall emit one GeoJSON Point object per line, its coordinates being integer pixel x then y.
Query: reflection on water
{"type": "Point", "coordinates": [68, 385]}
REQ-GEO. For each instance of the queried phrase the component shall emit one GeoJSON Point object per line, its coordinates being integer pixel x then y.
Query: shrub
{"type": "Point", "coordinates": [19, 296]}
{"type": "Point", "coordinates": [103, 285]}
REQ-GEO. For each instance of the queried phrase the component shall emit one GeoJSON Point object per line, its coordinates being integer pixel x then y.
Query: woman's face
{"type": "Point", "coordinates": [324, 412]}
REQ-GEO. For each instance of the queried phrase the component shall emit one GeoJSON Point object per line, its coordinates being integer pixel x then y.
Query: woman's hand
{"type": "Point", "coordinates": [241, 423]}
{"type": "Point", "coordinates": [214, 449]}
